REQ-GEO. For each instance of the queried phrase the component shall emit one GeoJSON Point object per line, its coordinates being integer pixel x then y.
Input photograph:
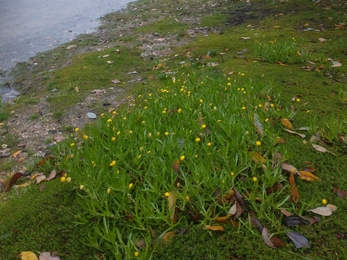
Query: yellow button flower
{"type": "Point", "coordinates": [113, 163]}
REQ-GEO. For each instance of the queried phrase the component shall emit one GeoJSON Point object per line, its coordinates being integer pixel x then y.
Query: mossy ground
{"type": "Point", "coordinates": [322, 94]}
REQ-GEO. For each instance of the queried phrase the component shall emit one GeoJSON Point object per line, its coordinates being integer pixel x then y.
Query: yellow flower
{"type": "Point", "coordinates": [298, 100]}
{"type": "Point", "coordinates": [77, 129]}
{"type": "Point", "coordinates": [214, 108]}
{"type": "Point", "coordinates": [68, 179]}
{"type": "Point", "coordinates": [257, 143]}
{"type": "Point", "coordinates": [255, 179]}
{"type": "Point", "coordinates": [141, 149]}
{"type": "Point", "coordinates": [324, 201]}
{"type": "Point", "coordinates": [203, 126]}
{"type": "Point", "coordinates": [118, 133]}
{"type": "Point", "coordinates": [81, 187]}
{"type": "Point", "coordinates": [201, 101]}
{"type": "Point", "coordinates": [72, 144]}
{"type": "Point", "coordinates": [136, 254]}
{"type": "Point", "coordinates": [85, 137]}
{"type": "Point", "coordinates": [167, 194]}
{"type": "Point", "coordinates": [108, 191]}
{"type": "Point", "coordinates": [124, 118]}
{"type": "Point", "coordinates": [63, 179]}
{"type": "Point", "coordinates": [163, 112]}
{"type": "Point", "coordinates": [113, 138]}
{"type": "Point", "coordinates": [109, 120]}
{"type": "Point", "coordinates": [102, 115]}
{"type": "Point", "coordinates": [232, 173]}
{"type": "Point", "coordinates": [149, 135]}
{"type": "Point", "coordinates": [267, 119]}
{"type": "Point", "coordinates": [182, 158]}
{"type": "Point", "coordinates": [272, 105]}
{"type": "Point", "coordinates": [197, 139]}
{"type": "Point", "coordinates": [209, 144]}
{"type": "Point", "coordinates": [166, 133]}
{"type": "Point", "coordinates": [187, 198]}
{"type": "Point", "coordinates": [179, 110]}
{"type": "Point", "coordinates": [113, 163]}
{"type": "Point", "coordinates": [229, 84]}
{"type": "Point", "coordinates": [260, 105]}
{"type": "Point", "coordinates": [242, 74]}
{"type": "Point", "coordinates": [130, 185]}
{"type": "Point", "coordinates": [243, 108]}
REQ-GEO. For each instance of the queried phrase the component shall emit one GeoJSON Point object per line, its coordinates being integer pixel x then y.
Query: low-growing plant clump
{"type": "Point", "coordinates": [232, 146]}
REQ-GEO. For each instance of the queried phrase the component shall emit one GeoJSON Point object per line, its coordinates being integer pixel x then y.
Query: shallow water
{"type": "Point", "coordinates": [29, 27]}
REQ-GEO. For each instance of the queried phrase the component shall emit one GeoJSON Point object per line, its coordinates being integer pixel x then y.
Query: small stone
{"type": "Point", "coordinates": [91, 115]}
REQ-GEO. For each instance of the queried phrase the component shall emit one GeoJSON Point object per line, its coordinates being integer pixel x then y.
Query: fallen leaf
{"type": "Point", "coordinates": [294, 220]}
{"type": "Point", "coordinates": [166, 238]}
{"type": "Point", "coordinates": [298, 239]}
{"type": "Point", "coordinates": [341, 193]}
{"type": "Point", "coordinates": [40, 178]}
{"type": "Point", "coordinates": [13, 180]}
{"type": "Point", "coordinates": [258, 158]}
{"type": "Point", "coordinates": [308, 68]}
{"type": "Point", "coordinates": [256, 223]}
{"type": "Point", "coordinates": [52, 175]}
{"type": "Point", "coordinates": [322, 39]}
{"type": "Point", "coordinates": [258, 126]}
{"type": "Point", "coordinates": [28, 256]}
{"type": "Point", "coordinates": [42, 187]}
{"type": "Point", "coordinates": [16, 153]}
{"type": "Point", "coordinates": [222, 219]}
{"type": "Point", "coordinates": [172, 204]}
{"type": "Point", "coordinates": [48, 256]}
{"type": "Point", "coordinates": [286, 213]}
{"type": "Point", "coordinates": [296, 133]}
{"type": "Point", "coordinates": [289, 168]}
{"type": "Point", "coordinates": [294, 193]}
{"type": "Point", "coordinates": [98, 91]}
{"type": "Point", "coordinates": [321, 149]}
{"type": "Point", "coordinates": [115, 81]}
{"type": "Point", "coordinates": [324, 211]}
{"type": "Point", "coordinates": [285, 122]}
{"type": "Point", "coordinates": [239, 204]}
{"type": "Point", "coordinates": [305, 175]}
{"type": "Point", "coordinates": [277, 242]}
{"type": "Point", "coordinates": [214, 228]}
{"type": "Point", "coordinates": [331, 207]}
{"type": "Point", "coordinates": [265, 234]}
{"type": "Point", "coordinates": [316, 137]}
{"type": "Point", "coordinates": [141, 244]}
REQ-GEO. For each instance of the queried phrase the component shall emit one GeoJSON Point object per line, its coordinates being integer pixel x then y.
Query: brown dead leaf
{"type": "Point", "coordinates": [214, 228]}
{"type": "Point", "coordinates": [141, 244]}
{"type": "Point", "coordinates": [277, 242]}
{"type": "Point", "coordinates": [296, 133]}
{"type": "Point", "coordinates": [52, 175]}
{"type": "Point", "coordinates": [294, 194]}
{"type": "Point", "coordinates": [305, 175]}
{"type": "Point", "coordinates": [286, 123]}
{"type": "Point", "coordinates": [115, 81]}
{"type": "Point", "coordinates": [341, 193]}
{"type": "Point", "coordinates": [16, 153]}
{"type": "Point", "coordinates": [12, 181]}
{"type": "Point", "coordinates": [172, 204]}
{"type": "Point", "coordinates": [166, 238]}
{"type": "Point", "coordinates": [258, 158]}
{"type": "Point", "coordinates": [266, 236]}
{"type": "Point", "coordinates": [286, 212]}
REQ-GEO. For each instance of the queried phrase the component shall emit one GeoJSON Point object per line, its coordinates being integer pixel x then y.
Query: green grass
{"type": "Point", "coordinates": [163, 164]}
